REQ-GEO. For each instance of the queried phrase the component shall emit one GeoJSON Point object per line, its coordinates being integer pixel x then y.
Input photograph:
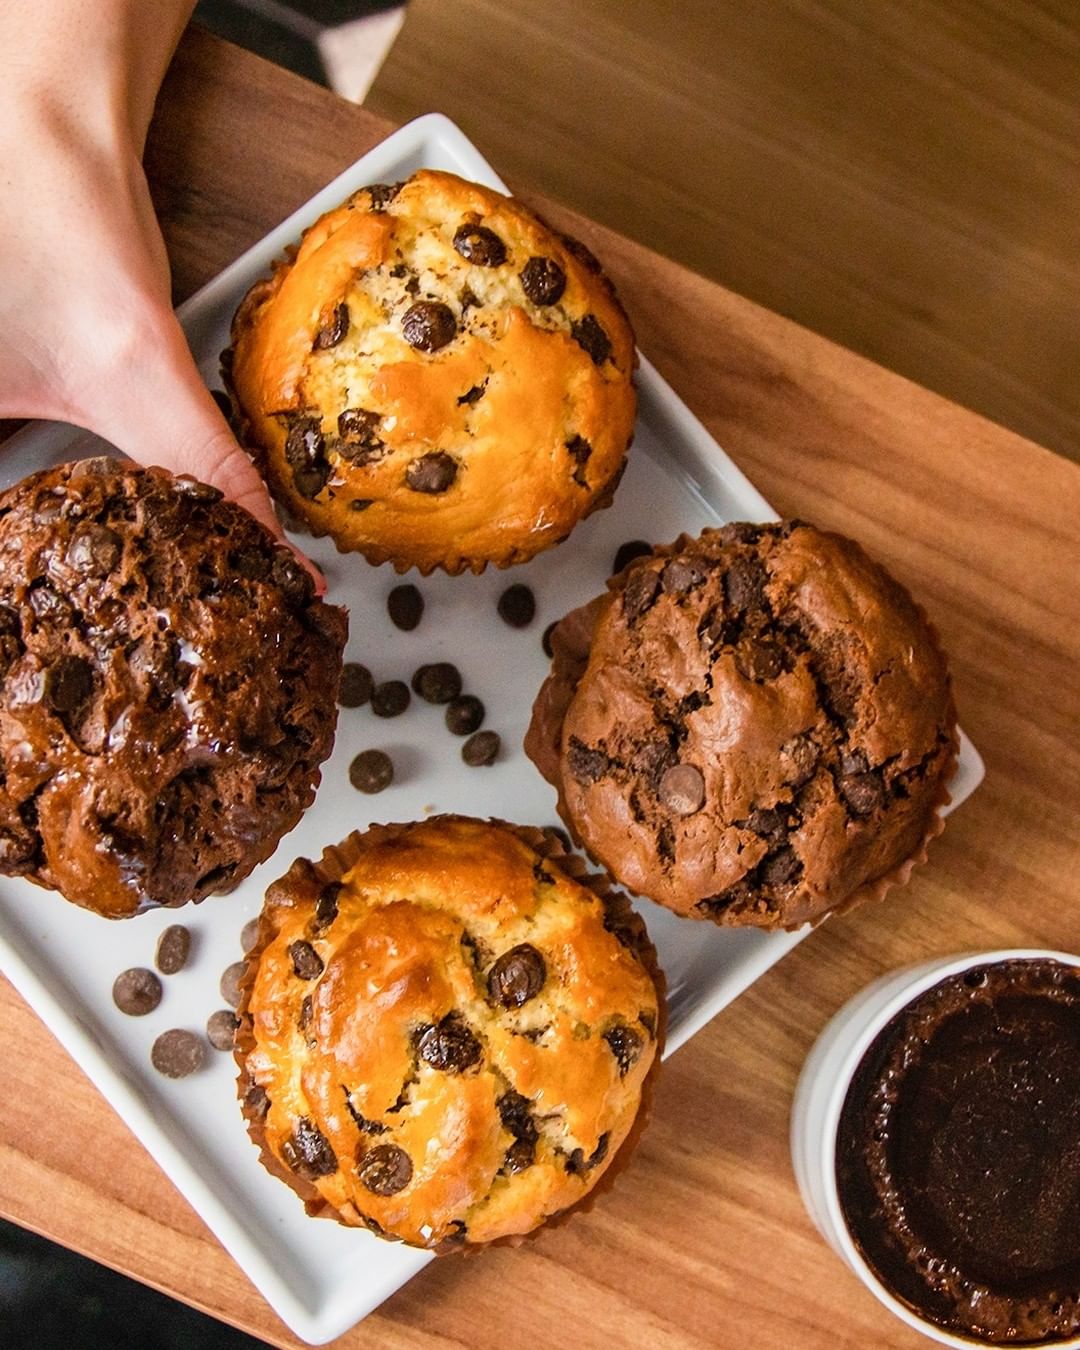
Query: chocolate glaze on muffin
{"type": "Point", "coordinates": [447, 1034]}
{"type": "Point", "coordinates": [169, 683]}
{"type": "Point", "coordinates": [750, 727]}
{"type": "Point", "coordinates": [435, 378]}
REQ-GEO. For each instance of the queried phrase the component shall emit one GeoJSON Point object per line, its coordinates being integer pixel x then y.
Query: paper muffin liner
{"type": "Point", "coordinates": [336, 861]}
{"type": "Point", "coordinates": [571, 644]}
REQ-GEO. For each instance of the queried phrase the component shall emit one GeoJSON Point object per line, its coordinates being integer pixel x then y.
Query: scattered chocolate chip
{"type": "Point", "coordinates": [744, 584]}
{"type": "Point", "coordinates": [390, 699]}
{"type": "Point", "coordinates": [464, 715]}
{"type": "Point", "coordinates": [304, 444]}
{"type": "Point", "coordinates": [759, 661]}
{"type": "Point", "coordinates": [330, 334]}
{"type": "Point", "coordinates": [473, 395]}
{"type": "Point", "coordinates": [94, 549]}
{"type": "Point", "coordinates": [639, 592]}
{"type": "Point", "coordinates": [437, 683]}
{"type": "Point", "coordinates": [249, 934]}
{"type": "Point", "coordinates": [136, 991]}
{"type": "Point", "coordinates": [579, 450]}
{"type": "Point", "coordinates": [591, 338]}
{"type": "Point", "coordinates": [195, 491]}
{"type": "Point", "coordinates": [382, 194]}
{"type": "Point", "coordinates": [428, 325]}
{"type": "Point", "coordinates": [863, 793]}
{"type": "Point", "coordinates": [229, 984]}
{"type": "Point", "coordinates": [577, 1162]}
{"type": "Point", "coordinates": [405, 605]}
{"type": "Point", "coordinates": [448, 1045]}
{"type": "Point", "coordinates": [307, 1011]}
{"type": "Point", "coordinates": [68, 684]}
{"type": "Point", "coordinates": [326, 906]}
{"type": "Point", "coordinates": [625, 1045]}
{"type": "Point", "coordinates": [679, 576]}
{"type": "Point", "coordinates": [177, 1053]}
{"type": "Point", "coordinates": [358, 432]}
{"type": "Point", "coordinates": [173, 949]}
{"type": "Point", "coordinates": [310, 482]}
{"type": "Point", "coordinates": [385, 1169]}
{"type": "Point", "coordinates": [515, 1112]}
{"type": "Point", "coordinates": [431, 474]}
{"type": "Point", "coordinates": [582, 253]}
{"type": "Point", "coordinates": [781, 869]}
{"type": "Point", "coordinates": [520, 1155]}
{"type": "Point", "coordinates": [371, 771]}
{"type": "Point", "coordinates": [221, 1028]}
{"type": "Point", "coordinates": [481, 749]}
{"type": "Point", "coordinates": [804, 755]}
{"type": "Point", "coordinates": [586, 765]}
{"type": "Point", "coordinates": [543, 281]}
{"type": "Point", "coordinates": [256, 1102]}
{"type": "Point", "coordinates": [306, 961]}
{"type": "Point", "coordinates": [633, 548]}
{"type": "Point", "coordinates": [769, 823]}
{"type": "Point", "coordinates": [308, 1151]}
{"type": "Point", "coordinates": [517, 976]}
{"type": "Point", "coordinates": [355, 686]}
{"type": "Point", "coordinates": [740, 532]}
{"type": "Point", "coordinates": [517, 606]}
{"type": "Point", "coordinates": [682, 789]}
{"type": "Point", "coordinates": [479, 245]}
{"type": "Point", "coordinates": [545, 640]}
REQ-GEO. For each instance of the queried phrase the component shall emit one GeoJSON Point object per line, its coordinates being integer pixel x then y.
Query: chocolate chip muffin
{"type": "Point", "coordinates": [447, 1035]}
{"type": "Point", "coordinates": [753, 727]}
{"type": "Point", "coordinates": [168, 687]}
{"type": "Point", "coordinates": [435, 378]}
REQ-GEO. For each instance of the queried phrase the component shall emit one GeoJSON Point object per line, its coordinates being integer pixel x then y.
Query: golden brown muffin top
{"type": "Point", "coordinates": [436, 378]}
{"type": "Point", "coordinates": [449, 1045]}
{"type": "Point", "coordinates": [750, 726]}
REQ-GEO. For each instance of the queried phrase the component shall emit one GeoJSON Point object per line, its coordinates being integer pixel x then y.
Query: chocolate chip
{"type": "Point", "coordinates": [591, 338]}
{"type": "Point", "coordinates": [639, 592]}
{"type": "Point", "coordinates": [221, 1028]}
{"type": "Point", "coordinates": [382, 194]}
{"type": "Point", "coordinates": [173, 949]}
{"type": "Point", "coordinates": [359, 439]}
{"type": "Point", "coordinates": [249, 934]}
{"type": "Point", "coordinates": [438, 683]}
{"type": "Point", "coordinates": [517, 976]}
{"type": "Point", "coordinates": [304, 444]}
{"type": "Point", "coordinates": [679, 576]}
{"type": "Point", "coordinates": [448, 1045]}
{"type": "Point", "coordinates": [326, 906]}
{"type": "Point", "coordinates": [355, 686]}
{"type": "Point", "coordinates": [294, 580]}
{"type": "Point", "coordinates": [308, 1151]}
{"type": "Point", "coordinates": [652, 761]}
{"type": "Point", "coordinates": [307, 1011]}
{"type": "Point", "coordinates": [682, 789]}
{"type": "Point", "coordinates": [740, 532]}
{"type": "Point", "coordinates": [582, 253]}
{"type": "Point", "coordinates": [543, 281]}
{"type": "Point", "coordinates": [481, 749]}
{"type": "Point", "coordinates": [68, 684]}
{"type": "Point", "coordinates": [520, 1155]}
{"type": "Point", "coordinates": [432, 473]}
{"type": "Point", "coordinates": [371, 771]}
{"type": "Point", "coordinates": [310, 482]}
{"type": "Point", "coordinates": [256, 1102]}
{"type": "Point", "coordinates": [586, 765]}
{"type": "Point", "coordinates": [744, 584]}
{"type": "Point", "coordinates": [385, 1169]}
{"type": "Point", "coordinates": [781, 869]}
{"type": "Point", "coordinates": [405, 605]}
{"type": "Point", "coordinates": [306, 961]}
{"type": "Point", "coordinates": [479, 245]}
{"type": "Point", "coordinates": [769, 823]}
{"type": "Point", "coordinates": [517, 606]}
{"type": "Point", "coordinates": [177, 1053]}
{"type": "Point", "coordinates": [94, 549]}
{"type": "Point", "coordinates": [625, 1045]}
{"type": "Point", "coordinates": [863, 793]}
{"type": "Point", "coordinates": [428, 325]}
{"type": "Point", "coordinates": [390, 699]}
{"type": "Point", "coordinates": [759, 661]}
{"type": "Point", "coordinates": [515, 1112]}
{"type": "Point", "coordinates": [195, 491]}
{"type": "Point", "coordinates": [473, 395]}
{"type": "Point", "coordinates": [577, 1162]}
{"type": "Point", "coordinates": [545, 640]}
{"type": "Point", "coordinates": [331, 333]}
{"type": "Point", "coordinates": [804, 755]}
{"type": "Point", "coordinates": [579, 450]}
{"type": "Point", "coordinates": [633, 548]}
{"type": "Point", "coordinates": [229, 984]}
{"type": "Point", "coordinates": [136, 991]}
{"type": "Point", "coordinates": [464, 715]}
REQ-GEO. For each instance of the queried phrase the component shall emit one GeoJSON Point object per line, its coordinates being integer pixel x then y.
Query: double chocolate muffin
{"type": "Point", "coordinates": [447, 1034]}
{"type": "Point", "coordinates": [435, 378]}
{"type": "Point", "coordinates": [168, 687]}
{"type": "Point", "coordinates": [753, 727]}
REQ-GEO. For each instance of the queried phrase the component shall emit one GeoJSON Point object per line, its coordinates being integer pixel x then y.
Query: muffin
{"type": "Point", "coordinates": [435, 378]}
{"type": "Point", "coordinates": [446, 1034]}
{"type": "Point", "coordinates": [753, 727]}
{"type": "Point", "coordinates": [168, 687]}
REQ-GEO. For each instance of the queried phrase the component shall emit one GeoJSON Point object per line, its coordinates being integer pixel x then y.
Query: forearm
{"type": "Point", "coordinates": [87, 68]}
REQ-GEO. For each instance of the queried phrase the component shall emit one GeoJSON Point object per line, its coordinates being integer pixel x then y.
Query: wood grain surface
{"type": "Point", "coordinates": [704, 1241]}
{"type": "Point", "coordinates": [900, 176]}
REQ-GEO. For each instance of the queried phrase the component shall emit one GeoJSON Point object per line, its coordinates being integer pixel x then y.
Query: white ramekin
{"type": "Point", "coordinates": [819, 1099]}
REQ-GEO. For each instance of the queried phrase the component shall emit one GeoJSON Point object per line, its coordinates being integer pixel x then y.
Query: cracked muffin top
{"type": "Point", "coordinates": [435, 378]}
{"type": "Point", "coordinates": [450, 1040]}
{"type": "Point", "coordinates": [150, 753]}
{"type": "Point", "coordinates": [753, 727]}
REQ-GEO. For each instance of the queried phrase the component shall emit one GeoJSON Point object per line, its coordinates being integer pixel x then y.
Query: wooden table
{"type": "Point", "coordinates": [704, 1242]}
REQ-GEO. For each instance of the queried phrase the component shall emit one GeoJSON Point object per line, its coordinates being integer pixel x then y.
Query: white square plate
{"type": "Point", "coordinates": [321, 1278]}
